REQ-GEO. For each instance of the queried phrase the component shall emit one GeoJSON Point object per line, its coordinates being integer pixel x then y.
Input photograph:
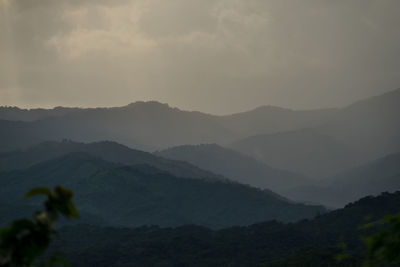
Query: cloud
{"type": "Point", "coordinates": [99, 42]}
{"type": "Point", "coordinates": [214, 55]}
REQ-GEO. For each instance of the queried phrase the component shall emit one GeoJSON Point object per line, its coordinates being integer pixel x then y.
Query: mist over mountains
{"type": "Point", "coordinates": [237, 166]}
{"type": "Point", "coordinates": [149, 164]}
{"type": "Point", "coordinates": [315, 143]}
{"type": "Point", "coordinates": [191, 133]}
{"type": "Point", "coordinates": [381, 175]}
{"type": "Point", "coordinates": [290, 152]}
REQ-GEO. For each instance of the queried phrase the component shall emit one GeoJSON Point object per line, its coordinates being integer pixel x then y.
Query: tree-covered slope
{"type": "Point", "coordinates": [141, 194]}
{"type": "Point", "coordinates": [306, 243]}
{"type": "Point", "coordinates": [109, 151]}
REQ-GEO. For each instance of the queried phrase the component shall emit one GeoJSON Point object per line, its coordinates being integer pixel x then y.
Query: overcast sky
{"type": "Point", "coordinates": [216, 56]}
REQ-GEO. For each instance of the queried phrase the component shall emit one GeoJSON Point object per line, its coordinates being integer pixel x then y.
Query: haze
{"type": "Point", "coordinates": [215, 56]}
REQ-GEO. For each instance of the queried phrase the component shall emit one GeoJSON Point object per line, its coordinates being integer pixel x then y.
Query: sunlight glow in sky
{"type": "Point", "coordinates": [216, 56]}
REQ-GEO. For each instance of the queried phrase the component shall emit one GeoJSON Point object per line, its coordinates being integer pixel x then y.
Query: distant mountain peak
{"type": "Point", "coordinates": [390, 97]}
{"type": "Point", "coordinates": [272, 108]}
{"type": "Point", "coordinates": [149, 104]}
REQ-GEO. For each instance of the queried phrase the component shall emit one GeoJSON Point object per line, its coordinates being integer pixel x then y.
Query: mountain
{"type": "Point", "coordinates": [145, 126]}
{"type": "Point", "coordinates": [345, 138]}
{"type": "Point", "coordinates": [271, 119]}
{"type": "Point", "coordinates": [368, 179]}
{"type": "Point", "coordinates": [16, 134]}
{"type": "Point", "coordinates": [148, 125]}
{"type": "Point", "coordinates": [337, 138]}
{"type": "Point", "coordinates": [143, 195]}
{"type": "Point", "coordinates": [306, 243]}
{"type": "Point", "coordinates": [236, 166]}
{"type": "Point", "coordinates": [369, 127]}
{"type": "Point", "coordinates": [153, 125]}
{"type": "Point", "coordinates": [18, 114]}
{"type": "Point", "coordinates": [304, 151]}
{"type": "Point", "coordinates": [107, 150]}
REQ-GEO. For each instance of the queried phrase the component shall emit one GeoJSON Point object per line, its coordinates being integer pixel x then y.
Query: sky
{"type": "Point", "coordinates": [215, 56]}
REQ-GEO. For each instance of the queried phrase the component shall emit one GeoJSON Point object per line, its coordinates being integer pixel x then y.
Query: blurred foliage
{"type": "Point", "coordinates": [24, 240]}
{"type": "Point", "coordinates": [384, 246]}
{"type": "Point", "coordinates": [344, 253]}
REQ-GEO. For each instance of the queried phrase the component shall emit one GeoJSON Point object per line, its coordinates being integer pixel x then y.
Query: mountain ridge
{"type": "Point", "coordinates": [237, 166]}
{"type": "Point", "coordinates": [382, 174]}
{"type": "Point", "coordinates": [107, 150]}
{"type": "Point", "coordinates": [143, 195]}
{"type": "Point", "coordinates": [368, 129]}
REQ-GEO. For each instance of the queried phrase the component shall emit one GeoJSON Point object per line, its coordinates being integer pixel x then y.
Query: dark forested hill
{"type": "Point", "coordinates": [237, 166]}
{"type": "Point", "coordinates": [306, 243]}
{"type": "Point", "coordinates": [109, 151]}
{"type": "Point", "coordinates": [141, 194]}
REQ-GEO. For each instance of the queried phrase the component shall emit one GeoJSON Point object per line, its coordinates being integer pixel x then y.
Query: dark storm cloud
{"type": "Point", "coordinates": [216, 55]}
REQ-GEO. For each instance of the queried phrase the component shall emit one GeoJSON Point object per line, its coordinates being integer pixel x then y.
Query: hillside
{"type": "Point", "coordinates": [304, 151]}
{"type": "Point", "coordinates": [152, 125]}
{"type": "Point", "coordinates": [109, 151]}
{"type": "Point", "coordinates": [143, 195]}
{"type": "Point", "coordinates": [344, 138]}
{"type": "Point", "coordinates": [236, 166]}
{"type": "Point", "coordinates": [370, 127]}
{"type": "Point", "coordinates": [317, 143]}
{"type": "Point", "coordinates": [17, 134]}
{"type": "Point", "coordinates": [143, 125]}
{"type": "Point", "coordinates": [270, 120]}
{"type": "Point", "coordinates": [306, 243]}
{"type": "Point", "coordinates": [368, 179]}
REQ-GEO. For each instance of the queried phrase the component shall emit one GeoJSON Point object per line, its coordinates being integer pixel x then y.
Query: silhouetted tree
{"type": "Point", "coordinates": [24, 240]}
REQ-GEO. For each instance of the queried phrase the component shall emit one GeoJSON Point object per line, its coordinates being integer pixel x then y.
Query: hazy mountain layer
{"type": "Point", "coordinates": [369, 127]}
{"type": "Point", "coordinates": [369, 179]}
{"type": "Point", "coordinates": [335, 138]}
{"type": "Point", "coordinates": [17, 114]}
{"type": "Point", "coordinates": [270, 119]}
{"type": "Point", "coordinates": [145, 126]}
{"type": "Point", "coordinates": [346, 138]}
{"type": "Point", "coordinates": [304, 151]}
{"type": "Point", "coordinates": [141, 194]}
{"type": "Point", "coordinates": [236, 166]}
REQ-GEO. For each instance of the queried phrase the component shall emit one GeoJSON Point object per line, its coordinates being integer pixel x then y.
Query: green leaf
{"type": "Point", "coordinates": [73, 213]}
{"type": "Point", "coordinates": [38, 191]}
